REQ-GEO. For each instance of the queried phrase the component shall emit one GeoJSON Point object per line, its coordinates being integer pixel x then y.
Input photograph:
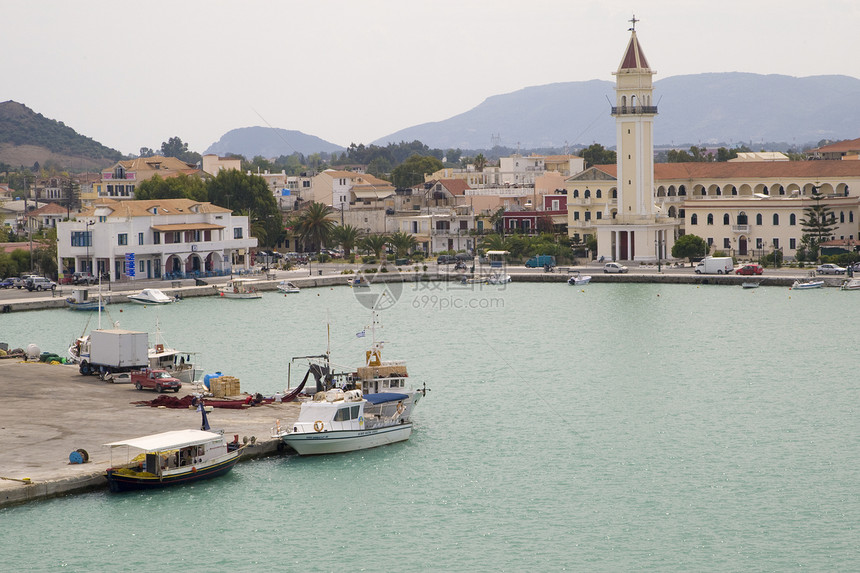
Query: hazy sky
{"type": "Point", "coordinates": [133, 74]}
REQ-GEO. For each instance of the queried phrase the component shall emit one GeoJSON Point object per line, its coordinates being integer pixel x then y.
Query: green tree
{"type": "Point", "coordinates": [314, 226]}
{"type": "Point", "coordinates": [495, 242]}
{"type": "Point", "coordinates": [346, 236]}
{"type": "Point", "coordinates": [402, 243]}
{"type": "Point", "coordinates": [374, 244]}
{"type": "Point", "coordinates": [248, 195]}
{"type": "Point", "coordinates": [689, 246]}
{"type": "Point", "coordinates": [412, 171]}
{"type": "Point", "coordinates": [480, 162]}
{"type": "Point", "coordinates": [595, 154]}
{"type": "Point", "coordinates": [818, 224]}
{"type": "Point", "coordinates": [379, 167]}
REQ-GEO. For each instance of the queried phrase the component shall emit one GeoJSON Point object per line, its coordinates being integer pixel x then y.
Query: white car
{"type": "Point", "coordinates": [830, 269]}
{"type": "Point", "coordinates": [614, 268]}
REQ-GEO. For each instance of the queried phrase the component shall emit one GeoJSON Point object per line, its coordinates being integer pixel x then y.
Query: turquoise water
{"type": "Point", "coordinates": [599, 428]}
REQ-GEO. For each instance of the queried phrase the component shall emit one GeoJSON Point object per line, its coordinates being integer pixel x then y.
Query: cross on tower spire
{"type": "Point", "coordinates": [633, 21]}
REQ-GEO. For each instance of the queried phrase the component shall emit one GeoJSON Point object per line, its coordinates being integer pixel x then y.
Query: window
{"type": "Point", "coordinates": [141, 266]}
{"type": "Point", "coordinates": [140, 238]}
{"type": "Point", "coordinates": [792, 243]}
{"type": "Point", "coordinates": [122, 239]}
{"type": "Point", "coordinates": [599, 214]}
{"type": "Point", "coordinates": [759, 243]}
{"type": "Point", "coordinates": [156, 238]}
{"type": "Point", "coordinates": [82, 239]}
{"type": "Point", "coordinates": [775, 243]}
{"type": "Point", "coordinates": [588, 215]}
{"type": "Point", "coordinates": [742, 218]}
{"type": "Point", "coordinates": [587, 194]}
{"type": "Point", "coordinates": [694, 219]}
{"type": "Point", "coordinates": [710, 242]}
{"type": "Point", "coordinates": [792, 219]}
{"type": "Point", "coordinates": [850, 216]}
{"type": "Point", "coordinates": [841, 216]}
{"type": "Point", "coordinates": [576, 215]}
{"type": "Point", "coordinates": [598, 194]}
{"type": "Point", "coordinates": [726, 219]}
{"type": "Point", "coordinates": [576, 193]}
{"type": "Point", "coordinates": [776, 219]}
{"type": "Point", "coordinates": [727, 243]}
{"type": "Point", "coordinates": [758, 219]}
{"type": "Point", "coordinates": [710, 218]}
{"type": "Point", "coordinates": [237, 232]}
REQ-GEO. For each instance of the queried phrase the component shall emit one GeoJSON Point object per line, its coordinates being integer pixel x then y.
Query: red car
{"type": "Point", "coordinates": [754, 269]}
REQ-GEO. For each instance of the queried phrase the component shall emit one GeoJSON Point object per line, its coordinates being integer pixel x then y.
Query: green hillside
{"type": "Point", "coordinates": [26, 135]}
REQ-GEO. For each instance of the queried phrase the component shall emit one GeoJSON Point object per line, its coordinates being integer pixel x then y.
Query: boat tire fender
{"type": "Point", "coordinates": [318, 426]}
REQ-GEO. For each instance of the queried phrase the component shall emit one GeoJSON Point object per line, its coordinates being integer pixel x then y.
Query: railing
{"type": "Point", "coordinates": [634, 110]}
{"type": "Point", "coordinates": [740, 228]}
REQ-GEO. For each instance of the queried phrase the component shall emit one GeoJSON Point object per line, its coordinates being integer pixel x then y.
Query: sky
{"type": "Point", "coordinates": [134, 74]}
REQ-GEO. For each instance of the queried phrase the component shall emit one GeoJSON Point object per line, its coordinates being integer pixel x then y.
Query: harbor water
{"type": "Point", "coordinates": [610, 427]}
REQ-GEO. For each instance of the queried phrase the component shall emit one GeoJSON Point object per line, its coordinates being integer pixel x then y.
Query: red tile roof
{"type": "Point", "coordinates": [838, 147]}
{"type": "Point", "coordinates": [634, 57]}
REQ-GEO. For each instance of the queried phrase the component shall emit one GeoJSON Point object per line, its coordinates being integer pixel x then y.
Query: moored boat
{"type": "Point", "coordinates": [851, 284]}
{"type": "Point", "coordinates": [81, 300]}
{"type": "Point", "coordinates": [358, 281]}
{"type": "Point", "coordinates": [578, 278]}
{"type": "Point", "coordinates": [287, 287]}
{"type": "Point", "coordinates": [173, 458]}
{"type": "Point", "coordinates": [750, 284]}
{"type": "Point", "coordinates": [806, 285]}
{"type": "Point", "coordinates": [241, 289]}
{"type": "Point", "coordinates": [151, 296]}
{"type": "Point", "coordinates": [354, 409]}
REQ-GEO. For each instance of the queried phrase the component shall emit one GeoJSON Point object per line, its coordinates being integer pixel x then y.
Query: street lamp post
{"type": "Point", "coordinates": [87, 239]}
{"type": "Point", "coordinates": [658, 246]}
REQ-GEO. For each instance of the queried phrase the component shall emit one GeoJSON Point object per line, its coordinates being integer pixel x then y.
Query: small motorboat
{"type": "Point", "coordinates": [358, 281]}
{"type": "Point", "coordinates": [851, 284]}
{"type": "Point", "coordinates": [806, 285]}
{"type": "Point", "coordinates": [151, 296]}
{"type": "Point", "coordinates": [287, 287]}
{"type": "Point", "coordinates": [750, 284]}
{"type": "Point", "coordinates": [578, 278]}
{"type": "Point", "coordinates": [80, 300]}
{"type": "Point", "coordinates": [240, 288]}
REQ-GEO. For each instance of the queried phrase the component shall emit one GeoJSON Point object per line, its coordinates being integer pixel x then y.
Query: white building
{"type": "Point", "coordinates": [155, 239]}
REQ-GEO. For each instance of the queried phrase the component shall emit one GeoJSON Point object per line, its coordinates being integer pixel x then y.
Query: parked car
{"type": "Point", "coordinates": [752, 269]}
{"type": "Point", "coordinates": [21, 282]}
{"type": "Point", "coordinates": [446, 260]}
{"type": "Point", "coordinates": [614, 268]}
{"type": "Point", "coordinates": [7, 283]}
{"type": "Point", "coordinates": [830, 269]}
{"type": "Point", "coordinates": [40, 283]}
{"type": "Point", "coordinates": [80, 278]}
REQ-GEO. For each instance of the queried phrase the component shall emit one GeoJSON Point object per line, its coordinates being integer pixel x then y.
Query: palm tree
{"type": "Point", "coordinates": [346, 236]}
{"type": "Point", "coordinates": [402, 243]}
{"type": "Point", "coordinates": [480, 162]}
{"type": "Point", "coordinates": [314, 227]}
{"type": "Point", "coordinates": [495, 242]}
{"type": "Point", "coordinates": [375, 244]}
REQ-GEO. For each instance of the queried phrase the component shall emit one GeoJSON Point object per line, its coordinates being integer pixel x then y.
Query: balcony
{"type": "Point", "coordinates": [635, 110]}
{"type": "Point", "coordinates": [740, 228]}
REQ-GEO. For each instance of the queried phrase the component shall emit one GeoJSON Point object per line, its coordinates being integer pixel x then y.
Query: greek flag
{"type": "Point", "coordinates": [359, 334]}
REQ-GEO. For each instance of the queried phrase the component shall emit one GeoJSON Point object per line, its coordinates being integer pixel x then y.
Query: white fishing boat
{"type": "Point", "coordinates": [151, 296]}
{"type": "Point", "coordinates": [851, 284]}
{"type": "Point", "coordinates": [806, 285]}
{"type": "Point", "coordinates": [287, 287]}
{"type": "Point", "coordinates": [353, 409]}
{"type": "Point", "coordinates": [358, 281]}
{"type": "Point", "coordinates": [240, 288]}
{"type": "Point", "coordinates": [578, 278]}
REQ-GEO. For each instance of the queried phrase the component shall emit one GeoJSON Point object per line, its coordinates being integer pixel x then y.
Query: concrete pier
{"type": "Point", "coordinates": [50, 411]}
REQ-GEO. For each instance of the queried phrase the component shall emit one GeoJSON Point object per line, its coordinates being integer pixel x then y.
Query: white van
{"type": "Point", "coordinates": [715, 265]}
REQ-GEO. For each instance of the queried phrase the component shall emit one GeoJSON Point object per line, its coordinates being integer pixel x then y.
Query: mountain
{"type": "Point", "coordinates": [270, 142]}
{"type": "Point", "coordinates": [27, 137]}
{"type": "Point", "coordinates": [726, 108]}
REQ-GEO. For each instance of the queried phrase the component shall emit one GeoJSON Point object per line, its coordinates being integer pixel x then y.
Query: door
{"type": "Point", "coordinates": [742, 246]}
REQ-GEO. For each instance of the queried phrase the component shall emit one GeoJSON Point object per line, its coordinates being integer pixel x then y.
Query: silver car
{"type": "Point", "coordinates": [614, 268]}
{"type": "Point", "coordinates": [830, 269]}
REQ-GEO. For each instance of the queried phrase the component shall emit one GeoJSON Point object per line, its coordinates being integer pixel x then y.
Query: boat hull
{"type": "Point", "coordinates": [120, 482]}
{"type": "Point", "coordinates": [340, 441]}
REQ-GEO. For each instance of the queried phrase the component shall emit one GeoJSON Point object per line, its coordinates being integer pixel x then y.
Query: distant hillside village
{"type": "Point", "coordinates": [632, 210]}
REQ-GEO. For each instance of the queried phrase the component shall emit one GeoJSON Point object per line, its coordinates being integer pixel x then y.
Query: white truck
{"type": "Point", "coordinates": [114, 350]}
{"type": "Point", "coordinates": [715, 265]}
